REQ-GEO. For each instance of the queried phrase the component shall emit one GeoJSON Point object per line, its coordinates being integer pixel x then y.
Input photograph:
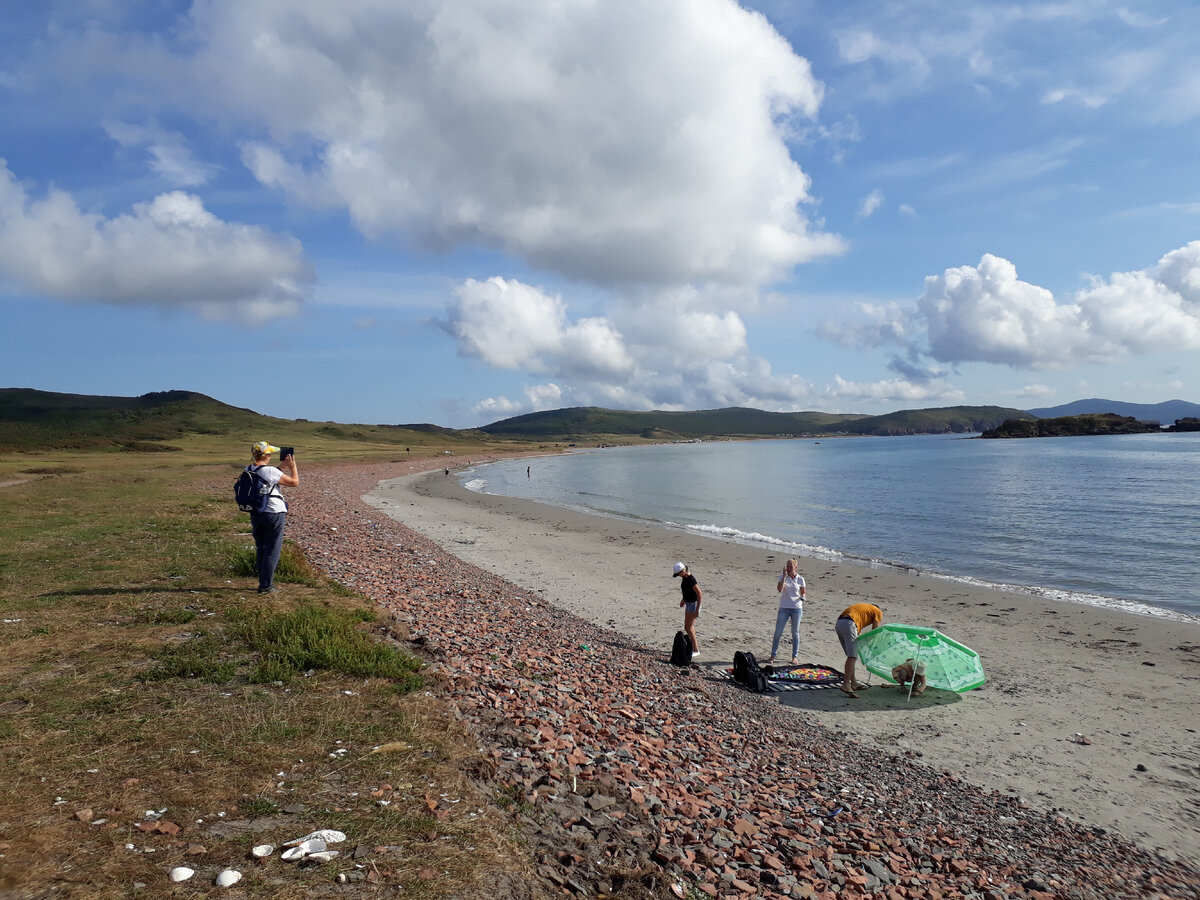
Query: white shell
{"type": "Point", "coordinates": [328, 835]}
{"type": "Point", "coordinates": [303, 849]}
{"type": "Point", "coordinates": [263, 850]}
{"type": "Point", "coordinates": [228, 877]}
{"type": "Point", "coordinates": [323, 856]}
{"type": "Point", "coordinates": [181, 873]}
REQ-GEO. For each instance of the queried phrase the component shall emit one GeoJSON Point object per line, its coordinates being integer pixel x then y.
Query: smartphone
{"type": "Point", "coordinates": [285, 452]}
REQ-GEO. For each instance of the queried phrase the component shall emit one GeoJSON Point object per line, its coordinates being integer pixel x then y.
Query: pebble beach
{"type": "Point", "coordinates": [550, 630]}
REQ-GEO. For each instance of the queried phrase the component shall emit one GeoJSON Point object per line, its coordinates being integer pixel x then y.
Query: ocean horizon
{"type": "Point", "coordinates": [1100, 520]}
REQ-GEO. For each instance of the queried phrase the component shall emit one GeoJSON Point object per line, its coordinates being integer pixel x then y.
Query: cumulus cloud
{"type": "Point", "coordinates": [986, 313]}
{"type": "Point", "coordinates": [619, 142]}
{"type": "Point", "coordinates": [672, 353]}
{"type": "Point", "coordinates": [512, 325]}
{"type": "Point", "coordinates": [169, 251]}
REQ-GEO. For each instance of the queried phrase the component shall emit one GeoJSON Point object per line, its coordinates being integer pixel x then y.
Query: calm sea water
{"type": "Point", "coordinates": [1104, 520]}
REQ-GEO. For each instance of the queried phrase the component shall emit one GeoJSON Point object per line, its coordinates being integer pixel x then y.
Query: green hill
{"type": "Point", "coordinates": [159, 421]}
{"type": "Point", "coordinates": [590, 422]}
{"type": "Point", "coordinates": [43, 420]}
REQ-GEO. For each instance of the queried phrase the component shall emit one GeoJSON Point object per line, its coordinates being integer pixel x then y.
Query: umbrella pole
{"type": "Point", "coordinates": [913, 681]}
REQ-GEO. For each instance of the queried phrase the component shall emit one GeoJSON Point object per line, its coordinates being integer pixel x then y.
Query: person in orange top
{"type": "Point", "coordinates": [853, 621]}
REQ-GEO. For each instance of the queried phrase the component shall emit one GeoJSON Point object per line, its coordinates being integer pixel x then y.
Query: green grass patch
{"type": "Point", "coordinates": [141, 675]}
{"type": "Point", "coordinates": [314, 637]}
{"type": "Point", "coordinates": [293, 567]}
{"type": "Point", "coordinates": [201, 657]}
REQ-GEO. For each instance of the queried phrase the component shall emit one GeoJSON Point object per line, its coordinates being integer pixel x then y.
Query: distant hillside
{"type": "Point", "coordinates": [1165, 413]}
{"type": "Point", "coordinates": [44, 420]}
{"type": "Point", "coordinates": [1069, 426]}
{"type": "Point", "coordinates": [589, 422]}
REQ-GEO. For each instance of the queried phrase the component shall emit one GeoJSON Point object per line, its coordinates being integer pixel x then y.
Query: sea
{"type": "Point", "coordinates": [1104, 520]}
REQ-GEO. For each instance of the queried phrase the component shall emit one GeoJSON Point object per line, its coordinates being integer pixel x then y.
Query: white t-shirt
{"type": "Point", "coordinates": [789, 597]}
{"type": "Point", "coordinates": [271, 475]}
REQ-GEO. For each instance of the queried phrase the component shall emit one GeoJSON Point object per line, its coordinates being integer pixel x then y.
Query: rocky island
{"type": "Point", "coordinates": [1064, 426]}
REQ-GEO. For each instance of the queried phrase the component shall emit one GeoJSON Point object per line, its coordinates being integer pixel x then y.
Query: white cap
{"type": "Point", "coordinates": [679, 567]}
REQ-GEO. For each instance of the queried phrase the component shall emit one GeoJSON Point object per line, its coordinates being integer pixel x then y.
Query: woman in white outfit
{"type": "Point", "coordinates": [791, 589]}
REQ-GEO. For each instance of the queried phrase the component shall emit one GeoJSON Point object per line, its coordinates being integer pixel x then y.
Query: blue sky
{"type": "Point", "coordinates": [450, 211]}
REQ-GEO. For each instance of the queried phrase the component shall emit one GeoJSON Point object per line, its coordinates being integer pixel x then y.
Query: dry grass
{"type": "Point", "coordinates": [132, 680]}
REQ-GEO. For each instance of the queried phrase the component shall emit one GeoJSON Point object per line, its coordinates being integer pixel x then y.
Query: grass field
{"type": "Point", "coordinates": [156, 711]}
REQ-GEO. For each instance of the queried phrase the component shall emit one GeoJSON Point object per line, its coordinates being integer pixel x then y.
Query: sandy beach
{"type": "Point", "coordinates": [1129, 684]}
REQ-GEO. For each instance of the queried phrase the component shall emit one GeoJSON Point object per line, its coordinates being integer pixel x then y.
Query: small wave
{"type": "Point", "coordinates": [478, 485]}
{"type": "Point", "coordinates": [1082, 598]}
{"type": "Point", "coordinates": [754, 538]}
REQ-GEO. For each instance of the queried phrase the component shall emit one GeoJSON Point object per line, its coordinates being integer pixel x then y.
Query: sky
{"type": "Point", "coordinates": [456, 211]}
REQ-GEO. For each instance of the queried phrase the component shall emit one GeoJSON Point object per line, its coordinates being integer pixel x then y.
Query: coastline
{"type": "Point", "coordinates": [1129, 683]}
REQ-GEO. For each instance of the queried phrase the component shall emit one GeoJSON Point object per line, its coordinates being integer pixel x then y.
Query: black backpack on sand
{"type": "Point", "coordinates": [746, 671]}
{"type": "Point", "coordinates": [681, 650]}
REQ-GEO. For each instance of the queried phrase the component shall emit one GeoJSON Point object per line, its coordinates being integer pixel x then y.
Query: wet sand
{"type": "Point", "coordinates": [1129, 684]}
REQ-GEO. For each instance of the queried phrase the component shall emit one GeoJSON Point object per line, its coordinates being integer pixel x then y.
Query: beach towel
{"type": "Point", "coordinates": [805, 677]}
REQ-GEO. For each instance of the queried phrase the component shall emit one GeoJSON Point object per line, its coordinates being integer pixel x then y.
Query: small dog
{"type": "Point", "coordinates": [904, 673]}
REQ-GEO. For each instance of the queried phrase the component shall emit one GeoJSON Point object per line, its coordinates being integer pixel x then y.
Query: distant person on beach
{"type": "Point", "coordinates": [692, 598]}
{"type": "Point", "coordinates": [792, 590]}
{"type": "Point", "coordinates": [853, 621]}
{"type": "Point", "coordinates": [267, 526]}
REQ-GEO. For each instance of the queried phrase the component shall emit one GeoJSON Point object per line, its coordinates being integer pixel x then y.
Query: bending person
{"type": "Point", "coordinates": [853, 621]}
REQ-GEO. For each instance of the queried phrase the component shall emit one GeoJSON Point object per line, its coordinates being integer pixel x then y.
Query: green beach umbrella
{"type": "Point", "coordinates": [949, 665]}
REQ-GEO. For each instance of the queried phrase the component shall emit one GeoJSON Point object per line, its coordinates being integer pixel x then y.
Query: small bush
{"type": "Point", "coordinates": [198, 657]}
{"type": "Point", "coordinates": [293, 568]}
{"type": "Point", "coordinates": [312, 637]}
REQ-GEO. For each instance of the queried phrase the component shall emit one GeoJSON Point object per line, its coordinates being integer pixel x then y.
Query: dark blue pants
{"type": "Point", "coordinates": [268, 543]}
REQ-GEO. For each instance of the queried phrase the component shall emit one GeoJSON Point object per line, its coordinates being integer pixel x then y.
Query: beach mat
{"type": "Point", "coordinates": [803, 677]}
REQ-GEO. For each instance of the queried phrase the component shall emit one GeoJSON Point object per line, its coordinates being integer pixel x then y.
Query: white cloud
{"type": "Point", "coordinates": [620, 142]}
{"type": "Point", "coordinates": [1105, 55]}
{"type": "Point", "coordinates": [1062, 95]}
{"type": "Point", "coordinates": [986, 314]}
{"type": "Point", "coordinates": [167, 252]}
{"type": "Point", "coordinates": [895, 390]}
{"type": "Point", "coordinates": [168, 151]}
{"type": "Point", "coordinates": [665, 352]}
{"type": "Point", "coordinates": [512, 325]}
{"type": "Point", "coordinates": [537, 398]}
{"type": "Point", "coordinates": [1034, 392]}
{"type": "Point", "coordinates": [870, 204]}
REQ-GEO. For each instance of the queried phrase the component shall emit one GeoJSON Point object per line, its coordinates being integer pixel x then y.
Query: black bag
{"type": "Point", "coordinates": [746, 671]}
{"type": "Point", "coordinates": [251, 491]}
{"type": "Point", "coordinates": [681, 650]}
